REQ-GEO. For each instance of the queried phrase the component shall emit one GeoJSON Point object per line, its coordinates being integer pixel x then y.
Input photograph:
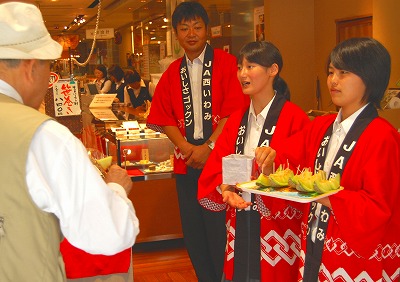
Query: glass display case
{"type": "Point", "coordinates": [144, 153]}
{"type": "Point", "coordinates": [121, 132]}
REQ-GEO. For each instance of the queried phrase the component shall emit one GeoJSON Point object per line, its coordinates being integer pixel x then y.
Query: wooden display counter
{"type": "Point", "coordinates": [156, 205]}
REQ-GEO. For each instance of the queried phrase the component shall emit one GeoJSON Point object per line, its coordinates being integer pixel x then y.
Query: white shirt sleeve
{"type": "Point", "coordinates": [95, 217]}
{"type": "Point", "coordinates": [106, 87]}
{"type": "Point", "coordinates": [127, 99]}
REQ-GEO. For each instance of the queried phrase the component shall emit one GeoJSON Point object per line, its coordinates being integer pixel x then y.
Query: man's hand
{"type": "Point", "coordinates": [119, 175]}
{"type": "Point", "coordinates": [199, 156]}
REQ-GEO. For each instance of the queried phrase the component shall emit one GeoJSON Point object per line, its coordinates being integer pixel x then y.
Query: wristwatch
{"type": "Point", "coordinates": [210, 144]}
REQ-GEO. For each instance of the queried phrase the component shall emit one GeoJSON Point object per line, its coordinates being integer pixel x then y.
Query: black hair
{"type": "Point", "coordinates": [103, 69]}
{"type": "Point", "coordinates": [265, 54]}
{"type": "Point", "coordinates": [368, 59]}
{"type": "Point", "coordinates": [117, 72]}
{"type": "Point", "coordinates": [131, 76]}
{"type": "Point", "coordinates": [189, 11]}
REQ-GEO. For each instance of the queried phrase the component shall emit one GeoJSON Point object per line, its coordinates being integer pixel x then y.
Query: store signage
{"type": "Point", "coordinates": [66, 98]}
{"type": "Point", "coordinates": [102, 101]}
{"type": "Point", "coordinates": [53, 79]}
{"type": "Point", "coordinates": [216, 31]}
{"type": "Point", "coordinates": [102, 33]}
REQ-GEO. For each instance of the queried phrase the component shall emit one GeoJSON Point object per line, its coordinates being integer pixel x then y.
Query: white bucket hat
{"type": "Point", "coordinates": [23, 34]}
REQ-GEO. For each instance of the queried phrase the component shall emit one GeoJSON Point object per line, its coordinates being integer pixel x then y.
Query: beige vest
{"type": "Point", "coordinates": [29, 237]}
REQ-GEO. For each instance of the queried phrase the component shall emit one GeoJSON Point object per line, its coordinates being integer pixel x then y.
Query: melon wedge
{"type": "Point", "coordinates": [263, 181]}
{"type": "Point", "coordinates": [323, 185]}
{"type": "Point", "coordinates": [294, 180]}
{"type": "Point", "coordinates": [105, 162]}
{"type": "Point", "coordinates": [306, 181]}
{"type": "Point", "coordinates": [281, 177]}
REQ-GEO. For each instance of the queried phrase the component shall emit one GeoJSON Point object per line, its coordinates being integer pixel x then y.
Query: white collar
{"type": "Point", "coordinates": [264, 112]}
{"type": "Point", "coordinates": [10, 91]}
{"type": "Point", "coordinates": [200, 57]}
{"type": "Point", "coordinates": [348, 122]}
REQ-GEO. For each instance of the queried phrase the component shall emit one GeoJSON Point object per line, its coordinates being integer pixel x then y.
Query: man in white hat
{"type": "Point", "coordinates": [49, 188]}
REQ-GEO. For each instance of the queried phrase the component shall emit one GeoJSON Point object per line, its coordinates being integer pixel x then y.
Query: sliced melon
{"type": "Point", "coordinates": [305, 185]}
{"type": "Point", "coordinates": [294, 180]}
{"type": "Point", "coordinates": [281, 177]}
{"type": "Point", "coordinates": [306, 181]}
{"type": "Point", "coordinates": [263, 181]}
{"type": "Point", "coordinates": [323, 185]}
{"type": "Point", "coordinates": [105, 162]}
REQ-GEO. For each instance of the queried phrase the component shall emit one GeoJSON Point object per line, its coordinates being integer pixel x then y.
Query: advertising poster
{"type": "Point", "coordinates": [66, 98]}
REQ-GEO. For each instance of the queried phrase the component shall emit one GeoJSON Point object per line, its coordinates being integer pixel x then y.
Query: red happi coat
{"type": "Point", "coordinates": [363, 235]}
{"type": "Point", "coordinates": [280, 219]}
{"type": "Point", "coordinates": [167, 105]}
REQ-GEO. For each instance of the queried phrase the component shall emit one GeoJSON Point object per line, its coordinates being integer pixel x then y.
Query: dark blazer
{"type": "Point", "coordinates": [139, 100]}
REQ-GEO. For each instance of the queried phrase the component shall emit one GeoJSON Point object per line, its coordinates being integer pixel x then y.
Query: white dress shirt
{"type": "Point", "coordinates": [339, 132]}
{"type": "Point", "coordinates": [195, 69]}
{"type": "Point", "coordinates": [94, 216]}
{"type": "Point", "coordinates": [106, 86]}
{"type": "Point", "coordinates": [255, 126]}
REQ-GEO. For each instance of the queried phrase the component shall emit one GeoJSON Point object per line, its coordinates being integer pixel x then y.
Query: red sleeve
{"type": "Point", "coordinates": [291, 120]}
{"type": "Point", "coordinates": [165, 108]}
{"type": "Point", "coordinates": [211, 176]}
{"type": "Point", "coordinates": [366, 211]}
{"type": "Point", "coordinates": [300, 149]}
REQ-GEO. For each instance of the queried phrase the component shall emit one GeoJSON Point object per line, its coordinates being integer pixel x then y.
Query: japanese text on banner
{"type": "Point", "coordinates": [66, 99]}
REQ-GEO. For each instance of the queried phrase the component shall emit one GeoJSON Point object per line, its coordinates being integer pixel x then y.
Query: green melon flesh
{"type": "Point", "coordinates": [105, 162]}
{"type": "Point", "coordinates": [281, 178]}
{"type": "Point", "coordinates": [305, 185]}
{"type": "Point", "coordinates": [306, 182]}
{"type": "Point", "coordinates": [324, 185]}
{"type": "Point", "coordinates": [263, 181]}
{"type": "Point", "coordinates": [294, 180]}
